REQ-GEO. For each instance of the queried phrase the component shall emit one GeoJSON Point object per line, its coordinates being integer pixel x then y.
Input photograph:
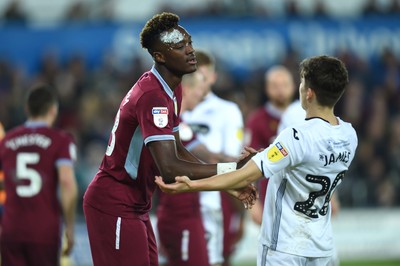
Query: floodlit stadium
{"type": "Point", "coordinates": [90, 52]}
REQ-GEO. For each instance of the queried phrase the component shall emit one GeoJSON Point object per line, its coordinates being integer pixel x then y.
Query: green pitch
{"type": "Point", "coordinates": [352, 263]}
{"type": "Point", "coordinates": [373, 263]}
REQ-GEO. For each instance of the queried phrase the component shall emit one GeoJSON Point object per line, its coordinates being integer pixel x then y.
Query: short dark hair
{"type": "Point", "coordinates": [327, 76]}
{"type": "Point", "coordinates": [40, 100]}
{"type": "Point", "coordinates": [155, 26]}
{"type": "Point", "coordinates": [204, 58]}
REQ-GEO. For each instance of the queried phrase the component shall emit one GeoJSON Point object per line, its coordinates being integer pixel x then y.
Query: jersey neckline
{"type": "Point", "coordinates": [317, 117]}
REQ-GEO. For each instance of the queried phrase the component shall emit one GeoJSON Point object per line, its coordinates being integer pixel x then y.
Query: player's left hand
{"type": "Point", "coordinates": [182, 184]}
{"type": "Point", "coordinates": [246, 154]}
{"type": "Point", "coordinates": [247, 195]}
{"type": "Point", "coordinates": [69, 241]}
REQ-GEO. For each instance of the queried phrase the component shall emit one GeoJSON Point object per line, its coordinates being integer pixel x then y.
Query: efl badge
{"type": "Point", "coordinates": [160, 116]}
{"type": "Point", "coordinates": [277, 152]}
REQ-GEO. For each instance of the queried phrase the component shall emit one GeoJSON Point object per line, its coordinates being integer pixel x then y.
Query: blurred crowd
{"type": "Point", "coordinates": [25, 11]}
{"type": "Point", "coordinates": [90, 96]}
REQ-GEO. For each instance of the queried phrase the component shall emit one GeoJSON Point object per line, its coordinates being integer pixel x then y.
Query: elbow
{"type": "Point", "coordinates": [168, 174]}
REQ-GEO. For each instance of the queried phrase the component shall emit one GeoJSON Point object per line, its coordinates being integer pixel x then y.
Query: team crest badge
{"type": "Point", "coordinates": [160, 116]}
{"type": "Point", "coordinates": [277, 153]}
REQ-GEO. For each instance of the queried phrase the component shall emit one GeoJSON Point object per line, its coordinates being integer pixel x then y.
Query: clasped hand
{"type": "Point", "coordinates": [247, 195]}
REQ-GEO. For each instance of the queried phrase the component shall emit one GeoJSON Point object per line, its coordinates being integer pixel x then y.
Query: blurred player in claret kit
{"type": "Point", "coordinates": [305, 164]}
{"type": "Point", "coordinates": [37, 161]}
{"type": "Point", "coordinates": [145, 142]}
{"type": "Point", "coordinates": [179, 223]}
{"type": "Point", "coordinates": [262, 124]}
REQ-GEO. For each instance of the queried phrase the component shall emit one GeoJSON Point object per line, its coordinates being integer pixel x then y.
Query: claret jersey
{"type": "Point", "coordinates": [305, 164]}
{"type": "Point", "coordinates": [29, 157]}
{"type": "Point", "coordinates": [125, 182]}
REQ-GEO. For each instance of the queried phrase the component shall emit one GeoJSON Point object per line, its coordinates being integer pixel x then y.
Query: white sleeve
{"type": "Point", "coordinates": [233, 132]}
{"type": "Point", "coordinates": [286, 150]}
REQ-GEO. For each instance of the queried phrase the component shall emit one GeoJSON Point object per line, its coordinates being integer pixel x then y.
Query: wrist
{"type": "Point", "coordinates": [225, 167]}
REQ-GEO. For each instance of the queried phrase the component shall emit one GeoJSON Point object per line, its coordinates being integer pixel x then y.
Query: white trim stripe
{"type": "Point", "coordinates": [166, 88]}
{"type": "Point", "coordinates": [158, 138]}
{"type": "Point", "coordinates": [185, 245]}
{"type": "Point", "coordinates": [117, 233]}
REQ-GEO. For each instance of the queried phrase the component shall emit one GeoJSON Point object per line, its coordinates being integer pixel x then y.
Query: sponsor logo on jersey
{"type": "Point", "coordinates": [160, 116]}
{"type": "Point", "coordinates": [277, 152]}
{"type": "Point", "coordinates": [160, 111]}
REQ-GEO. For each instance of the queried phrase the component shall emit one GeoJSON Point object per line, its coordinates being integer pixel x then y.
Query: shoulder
{"type": "Point", "coordinates": [348, 127]}
{"type": "Point", "coordinates": [257, 114]}
{"type": "Point", "coordinates": [147, 83]}
{"type": "Point", "coordinates": [299, 135]}
{"type": "Point", "coordinates": [63, 136]}
{"type": "Point", "coordinates": [225, 103]}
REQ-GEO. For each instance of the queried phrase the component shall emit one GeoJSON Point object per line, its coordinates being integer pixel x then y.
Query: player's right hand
{"type": "Point", "coordinates": [182, 184]}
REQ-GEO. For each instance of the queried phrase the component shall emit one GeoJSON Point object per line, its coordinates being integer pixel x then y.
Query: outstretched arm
{"type": "Point", "coordinates": [170, 164]}
{"type": "Point", "coordinates": [233, 180]}
{"type": "Point", "coordinates": [172, 159]}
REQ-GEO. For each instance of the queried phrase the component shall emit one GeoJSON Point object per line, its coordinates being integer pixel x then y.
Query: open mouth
{"type": "Point", "coordinates": [193, 61]}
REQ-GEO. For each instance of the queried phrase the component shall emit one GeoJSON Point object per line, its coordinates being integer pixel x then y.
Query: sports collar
{"type": "Point", "coordinates": [317, 117]}
{"type": "Point", "coordinates": [167, 89]}
{"type": "Point", "coordinates": [35, 124]}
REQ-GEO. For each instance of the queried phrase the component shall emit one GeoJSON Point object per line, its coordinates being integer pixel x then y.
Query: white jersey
{"type": "Point", "coordinates": [220, 125]}
{"type": "Point", "coordinates": [305, 164]}
{"type": "Point", "coordinates": [293, 115]}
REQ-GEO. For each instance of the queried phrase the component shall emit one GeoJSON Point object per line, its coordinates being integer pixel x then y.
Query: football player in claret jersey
{"type": "Point", "coordinates": [305, 164]}
{"type": "Point", "coordinates": [37, 161]}
{"type": "Point", "coordinates": [144, 142]}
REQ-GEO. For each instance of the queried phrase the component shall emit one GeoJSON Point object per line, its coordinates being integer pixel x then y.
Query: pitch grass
{"type": "Point", "coordinates": [350, 263]}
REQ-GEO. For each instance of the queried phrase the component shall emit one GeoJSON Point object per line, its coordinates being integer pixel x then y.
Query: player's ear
{"type": "Point", "coordinates": [158, 57]}
{"type": "Point", "coordinates": [310, 94]}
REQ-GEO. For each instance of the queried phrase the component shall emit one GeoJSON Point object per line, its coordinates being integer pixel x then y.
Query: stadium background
{"type": "Point", "coordinates": [90, 51]}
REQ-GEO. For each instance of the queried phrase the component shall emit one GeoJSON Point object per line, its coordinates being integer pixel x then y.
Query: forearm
{"type": "Point", "coordinates": [68, 204]}
{"type": "Point", "coordinates": [218, 182]}
{"type": "Point", "coordinates": [69, 194]}
{"type": "Point", "coordinates": [232, 180]}
{"type": "Point", "coordinates": [193, 170]}
{"type": "Point", "coordinates": [186, 155]}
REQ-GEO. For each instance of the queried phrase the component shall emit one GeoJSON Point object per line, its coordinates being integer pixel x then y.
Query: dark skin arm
{"type": "Point", "coordinates": [165, 154]}
{"type": "Point", "coordinates": [183, 153]}
{"type": "Point", "coordinates": [172, 159]}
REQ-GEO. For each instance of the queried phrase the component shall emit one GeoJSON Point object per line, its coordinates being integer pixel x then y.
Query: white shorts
{"type": "Point", "coordinates": [268, 257]}
{"type": "Point", "coordinates": [214, 228]}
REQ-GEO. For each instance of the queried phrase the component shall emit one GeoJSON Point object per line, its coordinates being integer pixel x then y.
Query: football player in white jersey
{"type": "Point", "coordinates": [219, 126]}
{"type": "Point", "coordinates": [305, 163]}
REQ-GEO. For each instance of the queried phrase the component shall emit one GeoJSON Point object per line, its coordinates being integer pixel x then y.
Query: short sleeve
{"type": "Point", "coordinates": [287, 150]}
{"type": "Point", "coordinates": [67, 152]}
{"type": "Point", "coordinates": [155, 113]}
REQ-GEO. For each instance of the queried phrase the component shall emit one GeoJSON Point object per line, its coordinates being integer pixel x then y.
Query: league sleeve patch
{"type": "Point", "coordinates": [277, 153]}
{"type": "Point", "coordinates": [160, 116]}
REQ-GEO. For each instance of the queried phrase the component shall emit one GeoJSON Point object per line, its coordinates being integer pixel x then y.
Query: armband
{"type": "Point", "coordinates": [225, 167]}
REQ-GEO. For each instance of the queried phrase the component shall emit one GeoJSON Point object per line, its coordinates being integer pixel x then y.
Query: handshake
{"type": "Point", "coordinates": [238, 183]}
